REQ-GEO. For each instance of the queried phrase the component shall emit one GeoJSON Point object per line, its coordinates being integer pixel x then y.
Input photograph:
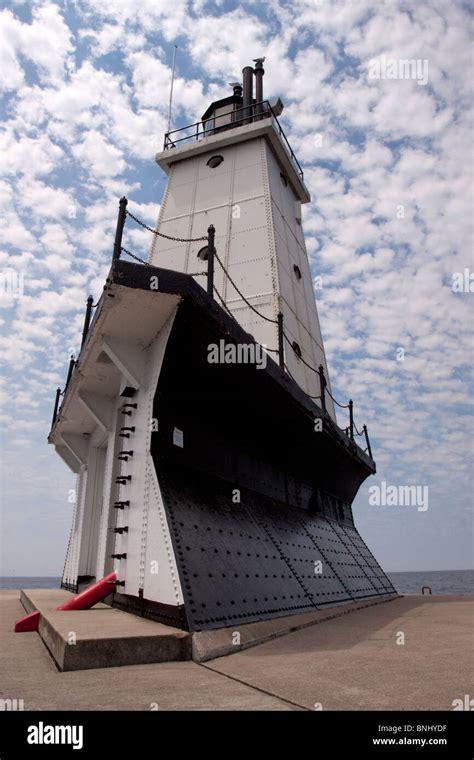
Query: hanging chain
{"type": "Point", "coordinates": [137, 258]}
{"type": "Point", "coordinates": [162, 234]}
{"type": "Point", "coordinates": [262, 316]}
{"type": "Point", "coordinates": [202, 274]}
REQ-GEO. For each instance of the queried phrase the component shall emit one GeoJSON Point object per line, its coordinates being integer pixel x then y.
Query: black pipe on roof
{"type": "Point", "coordinates": [259, 72]}
{"type": "Point", "coordinates": [247, 74]}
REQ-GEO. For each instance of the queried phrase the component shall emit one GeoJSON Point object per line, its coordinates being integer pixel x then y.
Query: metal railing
{"type": "Point", "coordinates": [238, 117]}
{"type": "Point", "coordinates": [210, 255]}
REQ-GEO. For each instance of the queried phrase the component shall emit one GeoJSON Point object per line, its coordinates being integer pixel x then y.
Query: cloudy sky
{"type": "Point", "coordinates": [389, 164]}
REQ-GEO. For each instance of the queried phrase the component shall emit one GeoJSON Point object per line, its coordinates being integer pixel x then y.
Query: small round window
{"type": "Point", "coordinates": [214, 161]}
{"type": "Point", "coordinates": [297, 271]}
{"type": "Point", "coordinates": [283, 179]}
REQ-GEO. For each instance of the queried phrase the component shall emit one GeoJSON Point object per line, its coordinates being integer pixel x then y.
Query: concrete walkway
{"type": "Point", "coordinates": [350, 662]}
{"type": "Point", "coordinates": [355, 662]}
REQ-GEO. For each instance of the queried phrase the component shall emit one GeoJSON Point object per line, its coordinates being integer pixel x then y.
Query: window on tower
{"type": "Point", "coordinates": [209, 125]}
{"type": "Point", "coordinates": [214, 161]}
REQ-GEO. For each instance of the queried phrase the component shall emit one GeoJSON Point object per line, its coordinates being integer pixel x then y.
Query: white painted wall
{"type": "Point", "coordinates": [68, 569]}
{"type": "Point", "coordinates": [258, 239]}
{"type": "Point", "coordinates": [298, 303]}
{"type": "Point", "coordinates": [148, 540]}
{"type": "Point", "coordinates": [71, 568]}
{"type": "Point", "coordinates": [108, 516]}
{"type": "Point", "coordinates": [92, 510]}
{"type": "Point", "coordinates": [150, 564]}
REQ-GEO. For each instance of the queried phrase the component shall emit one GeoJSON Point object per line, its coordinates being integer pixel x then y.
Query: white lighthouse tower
{"type": "Point", "coordinates": [211, 488]}
{"type": "Point", "coordinates": [245, 179]}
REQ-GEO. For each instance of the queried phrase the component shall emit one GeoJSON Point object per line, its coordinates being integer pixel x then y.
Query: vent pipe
{"type": "Point", "coordinates": [247, 73]}
{"type": "Point", "coordinates": [237, 92]}
{"type": "Point", "coordinates": [259, 72]}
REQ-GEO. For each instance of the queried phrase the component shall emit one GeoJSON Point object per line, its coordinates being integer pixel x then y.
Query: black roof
{"type": "Point", "coordinates": [230, 100]}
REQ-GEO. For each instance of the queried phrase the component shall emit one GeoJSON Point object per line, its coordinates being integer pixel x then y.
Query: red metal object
{"type": "Point", "coordinates": [28, 622]}
{"type": "Point", "coordinates": [91, 595]}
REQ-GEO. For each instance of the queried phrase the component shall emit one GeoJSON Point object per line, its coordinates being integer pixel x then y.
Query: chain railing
{"type": "Point", "coordinates": [162, 234]}
{"type": "Point", "coordinates": [210, 255]}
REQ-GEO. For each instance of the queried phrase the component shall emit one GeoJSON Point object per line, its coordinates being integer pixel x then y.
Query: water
{"type": "Point", "coordinates": [34, 582]}
{"type": "Point", "coordinates": [440, 581]}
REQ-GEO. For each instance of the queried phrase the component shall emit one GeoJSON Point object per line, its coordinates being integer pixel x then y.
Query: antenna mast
{"type": "Point", "coordinates": [171, 89]}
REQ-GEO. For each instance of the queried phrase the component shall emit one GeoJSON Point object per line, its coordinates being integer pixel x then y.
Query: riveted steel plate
{"type": "Point", "coordinates": [371, 566]}
{"type": "Point", "coordinates": [255, 558]}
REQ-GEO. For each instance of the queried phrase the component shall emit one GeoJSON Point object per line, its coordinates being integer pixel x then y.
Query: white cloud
{"type": "Point", "coordinates": [46, 42]}
{"type": "Point", "coordinates": [146, 17]}
{"type": "Point", "coordinates": [101, 157]}
{"type": "Point", "coordinates": [86, 109]}
{"type": "Point", "coordinates": [33, 156]}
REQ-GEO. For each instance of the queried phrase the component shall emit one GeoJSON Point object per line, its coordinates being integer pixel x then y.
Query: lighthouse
{"type": "Point", "coordinates": [245, 178]}
{"type": "Point", "coordinates": [199, 418]}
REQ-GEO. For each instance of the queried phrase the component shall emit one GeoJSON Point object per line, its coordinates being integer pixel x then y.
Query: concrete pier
{"type": "Point", "coordinates": [102, 636]}
{"type": "Point", "coordinates": [354, 662]}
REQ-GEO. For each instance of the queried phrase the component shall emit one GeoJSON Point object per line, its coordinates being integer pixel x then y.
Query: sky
{"type": "Point", "coordinates": [387, 155]}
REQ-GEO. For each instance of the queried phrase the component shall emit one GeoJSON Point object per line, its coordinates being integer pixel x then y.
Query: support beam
{"type": "Point", "coordinates": [128, 357]}
{"type": "Point", "coordinates": [100, 408]}
{"type": "Point", "coordinates": [77, 445]}
{"type": "Point", "coordinates": [68, 458]}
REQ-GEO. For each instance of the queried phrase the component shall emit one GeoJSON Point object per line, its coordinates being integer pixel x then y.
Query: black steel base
{"type": "Point", "coordinates": [160, 613]}
{"type": "Point", "coordinates": [258, 497]}
{"type": "Point", "coordinates": [258, 559]}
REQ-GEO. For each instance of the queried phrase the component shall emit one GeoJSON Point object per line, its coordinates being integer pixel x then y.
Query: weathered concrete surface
{"type": "Point", "coordinates": [355, 663]}
{"type": "Point", "coordinates": [106, 637]}
{"type": "Point", "coordinates": [207, 645]}
{"type": "Point", "coordinates": [102, 636]}
{"type": "Point", "coordinates": [349, 662]}
{"type": "Point", "coordinates": [29, 673]}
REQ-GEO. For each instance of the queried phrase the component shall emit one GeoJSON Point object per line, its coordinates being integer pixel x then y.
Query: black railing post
{"type": "Point", "coordinates": [211, 233]}
{"type": "Point", "coordinates": [281, 356]}
{"type": "Point", "coordinates": [56, 405]}
{"type": "Point", "coordinates": [72, 362]}
{"type": "Point", "coordinates": [322, 386]}
{"type": "Point", "coordinates": [120, 225]}
{"type": "Point", "coordinates": [87, 320]}
{"type": "Point", "coordinates": [369, 450]}
{"type": "Point", "coordinates": [351, 419]}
